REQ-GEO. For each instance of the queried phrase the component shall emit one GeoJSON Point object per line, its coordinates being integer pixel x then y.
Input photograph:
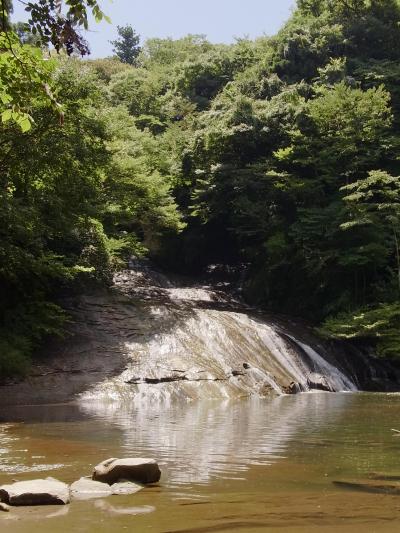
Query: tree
{"type": "Point", "coordinates": [375, 200]}
{"type": "Point", "coordinates": [55, 23]}
{"type": "Point", "coordinates": [127, 46]}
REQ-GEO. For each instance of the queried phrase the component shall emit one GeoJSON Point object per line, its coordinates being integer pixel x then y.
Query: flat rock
{"type": "Point", "coordinates": [86, 489]}
{"type": "Point", "coordinates": [375, 487]}
{"type": "Point", "coordinates": [48, 491]}
{"type": "Point", "coordinates": [4, 507]}
{"type": "Point", "coordinates": [125, 487]}
{"type": "Point", "coordinates": [129, 469]}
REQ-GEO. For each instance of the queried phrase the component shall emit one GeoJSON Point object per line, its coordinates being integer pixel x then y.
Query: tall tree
{"type": "Point", "coordinates": [127, 47]}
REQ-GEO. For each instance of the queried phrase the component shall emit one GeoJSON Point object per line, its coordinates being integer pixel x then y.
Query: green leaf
{"type": "Point", "coordinates": [25, 124]}
{"type": "Point", "coordinates": [6, 115]}
{"type": "Point", "coordinates": [5, 98]}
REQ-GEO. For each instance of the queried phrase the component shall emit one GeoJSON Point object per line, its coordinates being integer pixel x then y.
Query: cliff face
{"type": "Point", "coordinates": [148, 339]}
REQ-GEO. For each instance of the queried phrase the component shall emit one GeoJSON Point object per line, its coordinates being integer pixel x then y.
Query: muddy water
{"type": "Point", "coordinates": [250, 465]}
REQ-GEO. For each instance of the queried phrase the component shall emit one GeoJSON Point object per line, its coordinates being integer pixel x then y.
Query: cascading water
{"type": "Point", "coordinates": [196, 342]}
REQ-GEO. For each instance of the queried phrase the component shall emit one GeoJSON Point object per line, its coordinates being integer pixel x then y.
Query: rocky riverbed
{"type": "Point", "coordinates": [111, 477]}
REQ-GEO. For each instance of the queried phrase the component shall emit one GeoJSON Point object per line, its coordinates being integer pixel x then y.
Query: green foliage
{"type": "Point", "coordinates": [380, 324]}
{"type": "Point", "coordinates": [24, 78]}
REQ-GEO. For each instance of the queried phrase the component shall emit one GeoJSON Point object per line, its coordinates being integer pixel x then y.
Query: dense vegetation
{"type": "Point", "coordinates": [279, 153]}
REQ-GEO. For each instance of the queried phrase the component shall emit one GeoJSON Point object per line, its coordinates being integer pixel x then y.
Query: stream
{"type": "Point", "coordinates": [247, 465]}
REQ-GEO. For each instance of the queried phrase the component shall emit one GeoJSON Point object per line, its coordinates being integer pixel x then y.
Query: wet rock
{"type": "Point", "coordinates": [376, 487]}
{"type": "Point", "coordinates": [4, 507]}
{"type": "Point", "coordinates": [318, 382]}
{"type": "Point", "coordinates": [48, 491]}
{"type": "Point", "coordinates": [130, 469]}
{"type": "Point", "coordinates": [86, 489]}
{"type": "Point", "coordinates": [292, 388]}
{"type": "Point", "coordinates": [125, 487]}
{"type": "Point", "coordinates": [236, 373]}
{"type": "Point", "coordinates": [246, 366]}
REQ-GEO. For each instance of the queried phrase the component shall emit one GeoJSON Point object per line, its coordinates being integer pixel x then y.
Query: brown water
{"type": "Point", "coordinates": [251, 465]}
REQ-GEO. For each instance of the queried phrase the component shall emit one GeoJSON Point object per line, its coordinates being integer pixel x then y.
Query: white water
{"type": "Point", "coordinates": [337, 380]}
{"type": "Point", "coordinates": [195, 342]}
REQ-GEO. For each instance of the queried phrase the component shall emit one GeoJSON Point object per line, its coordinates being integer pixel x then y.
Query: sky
{"type": "Point", "coordinates": [220, 20]}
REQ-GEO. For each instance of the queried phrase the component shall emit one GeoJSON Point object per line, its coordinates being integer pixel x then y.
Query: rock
{"type": "Point", "coordinates": [293, 388]}
{"type": "Point", "coordinates": [4, 507]}
{"type": "Point", "coordinates": [86, 489]}
{"type": "Point", "coordinates": [125, 487]}
{"type": "Point", "coordinates": [370, 486]}
{"type": "Point", "coordinates": [318, 382]}
{"type": "Point", "coordinates": [48, 491]}
{"type": "Point", "coordinates": [131, 469]}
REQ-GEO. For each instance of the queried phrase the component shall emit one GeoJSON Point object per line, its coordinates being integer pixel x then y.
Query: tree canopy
{"type": "Point", "coordinates": [278, 154]}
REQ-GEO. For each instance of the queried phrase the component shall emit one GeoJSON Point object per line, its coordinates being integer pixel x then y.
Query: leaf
{"type": "Point", "coordinates": [6, 115]}
{"type": "Point", "coordinates": [25, 124]}
{"type": "Point", "coordinates": [5, 98]}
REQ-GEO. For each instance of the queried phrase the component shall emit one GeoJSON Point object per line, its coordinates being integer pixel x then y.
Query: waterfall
{"type": "Point", "coordinates": [191, 342]}
{"type": "Point", "coordinates": [336, 379]}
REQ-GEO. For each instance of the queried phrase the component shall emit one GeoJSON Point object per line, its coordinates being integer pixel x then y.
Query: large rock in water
{"type": "Point", "coordinates": [48, 491]}
{"type": "Point", "coordinates": [131, 469]}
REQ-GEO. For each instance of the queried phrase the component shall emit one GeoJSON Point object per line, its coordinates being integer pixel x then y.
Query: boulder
{"type": "Point", "coordinates": [125, 487]}
{"type": "Point", "coordinates": [129, 469]}
{"type": "Point", "coordinates": [48, 491]}
{"type": "Point", "coordinates": [318, 382]}
{"type": "Point", "coordinates": [86, 489]}
{"type": "Point", "coordinates": [294, 388]}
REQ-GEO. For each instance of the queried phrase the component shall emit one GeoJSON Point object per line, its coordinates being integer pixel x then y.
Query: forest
{"type": "Point", "coordinates": [278, 156]}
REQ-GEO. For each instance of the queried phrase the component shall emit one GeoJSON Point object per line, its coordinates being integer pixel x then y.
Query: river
{"type": "Point", "coordinates": [234, 465]}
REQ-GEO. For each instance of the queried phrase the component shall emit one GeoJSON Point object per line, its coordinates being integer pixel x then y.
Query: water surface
{"type": "Point", "coordinates": [250, 465]}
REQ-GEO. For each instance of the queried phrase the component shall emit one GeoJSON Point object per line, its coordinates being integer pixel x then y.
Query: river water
{"type": "Point", "coordinates": [247, 465]}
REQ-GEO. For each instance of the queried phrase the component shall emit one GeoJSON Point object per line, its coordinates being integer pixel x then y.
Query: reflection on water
{"type": "Point", "coordinates": [215, 439]}
{"type": "Point", "coordinates": [256, 464]}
